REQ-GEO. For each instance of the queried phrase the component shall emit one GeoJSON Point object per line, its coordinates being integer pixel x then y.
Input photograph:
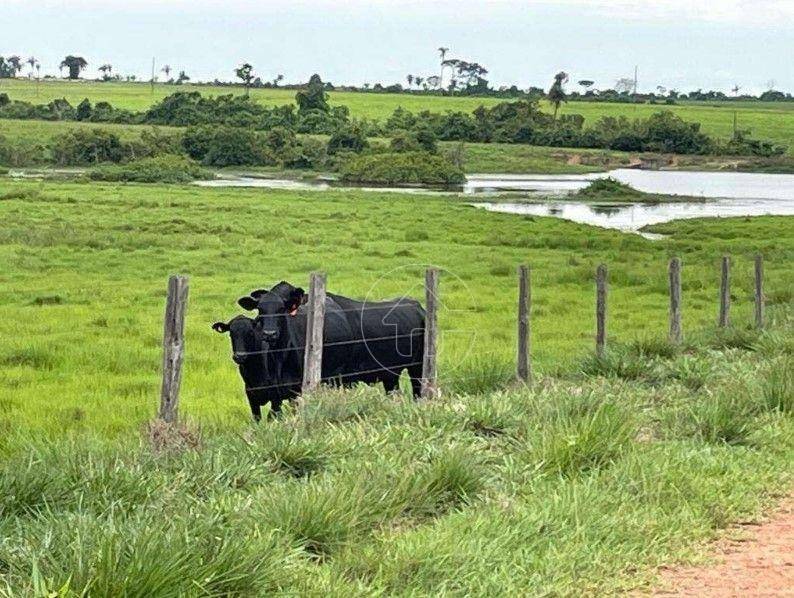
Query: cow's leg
{"type": "Point", "coordinates": [391, 383]}
{"type": "Point", "coordinates": [275, 409]}
{"type": "Point", "coordinates": [415, 372]}
{"type": "Point", "coordinates": [256, 408]}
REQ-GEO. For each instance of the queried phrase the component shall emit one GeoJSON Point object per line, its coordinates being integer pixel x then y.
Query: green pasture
{"type": "Point", "coordinates": [84, 269]}
{"type": "Point", "coordinates": [770, 121]}
{"type": "Point", "coordinates": [585, 483]}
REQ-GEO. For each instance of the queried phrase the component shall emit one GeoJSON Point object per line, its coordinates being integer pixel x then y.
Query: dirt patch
{"type": "Point", "coordinates": [757, 561]}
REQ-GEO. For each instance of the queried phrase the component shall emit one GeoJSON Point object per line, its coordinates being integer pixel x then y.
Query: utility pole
{"type": "Point", "coordinates": [636, 73]}
{"type": "Point", "coordinates": [152, 75]}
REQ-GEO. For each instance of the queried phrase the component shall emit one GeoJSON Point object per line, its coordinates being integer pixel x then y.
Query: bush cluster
{"type": "Point", "coordinates": [235, 146]}
{"type": "Point", "coordinates": [508, 122]}
{"type": "Point", "coordinates": [159, 169]}
{"type": "Point", "coordinates": [524, 122]}
{"type": "Point", "coordinates": [402, 168]}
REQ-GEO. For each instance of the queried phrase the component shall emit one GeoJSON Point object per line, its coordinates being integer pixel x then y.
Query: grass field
{"type": "Point", "coordinates": [583, 484]}
{"type": "Point", "coordinates": [84, 254]}
{"type": "Point", "coordinates": [773, 121]}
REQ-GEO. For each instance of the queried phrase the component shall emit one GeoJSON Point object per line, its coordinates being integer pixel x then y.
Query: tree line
{"type": "Point", "coordinates": [463, 77]}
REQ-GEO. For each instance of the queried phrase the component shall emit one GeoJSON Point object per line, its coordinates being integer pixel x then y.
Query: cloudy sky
{"type": "Point", "coordinates": [681, 44]}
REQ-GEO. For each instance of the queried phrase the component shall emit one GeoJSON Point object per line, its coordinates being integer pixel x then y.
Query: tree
{"type": "Point", "coordinates": [15, 64]}
{"type": "Point", "coordinates": [557, 93]}
{"type": "Point", "coordinates": [661, 89]}
{"type": "Point", "coordinates": [443, 53]}
{"type": "Point", "coordinates": [624, 85]}
{"type": "Point", "coordinates": [75, 64]}
{"type": "Point", "coordinates": [245, 72]}
{"type": "Point", "coordinates": [167, 70]}
{"type": "Point", "coordinates": [106, 69]}
{"type": "Point", "coordinates": [736, 89]}
{"type": "Point", "coordinates": [434, 81]}
{"type": "Point", "coordinates": [277, 80]}
{"type": "Point", "coordinates": [586, 84]}
{"type": "Point", "coordinates": [410, 79]}
{"type": "Point", "coordinates": [471, 72]}
{"type": "Point", "coordinates": [33, 64]}
{"type": "Point", "coordinates": [418, 80]}
{"type": "Point", "coordinates": [314, 96]}
{"type": "Point", "coordinates": [182, 78]}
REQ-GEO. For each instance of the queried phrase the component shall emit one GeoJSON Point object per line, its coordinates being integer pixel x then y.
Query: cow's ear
{"type": "Point", "coordinates": [220, 327]}
{"type": "Point", "coordinates": [297, 296]}
{"type": "Point", "coordinates": [248, 303]}
{"type": "Point", "coordinates": [258, 293]}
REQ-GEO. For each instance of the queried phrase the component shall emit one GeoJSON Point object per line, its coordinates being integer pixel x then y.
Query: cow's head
{"type": "Point", "coordinates": [246, 339]}
{"type": "Point", "coordinates": [273, 308]}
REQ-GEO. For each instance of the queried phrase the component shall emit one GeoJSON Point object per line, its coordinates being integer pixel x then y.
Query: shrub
{"type": "Point", "coordinates": [279, 138]}
{"type": "Point", "coordinates": [155, 141]}
{"type": "Point", "coordinates": [81, 147]}
{"type": "Point", "coordinates": [21, 152]}
{"type": "Point", "coordinates": [403, 141]}
{"type": "Point", "coordinates": [307, 153]}
{"type": "Point", "coordinates": [348, 138]}
{"type": "Point", "coordinates": [225, 146]}
{"type": "Point", "coordinates": [401, 169]}
{"type": "Point", "coordinates": [160, 169]}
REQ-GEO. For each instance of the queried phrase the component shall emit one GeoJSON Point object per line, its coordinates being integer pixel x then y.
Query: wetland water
{"type": "Point", "coordinates": [724, 194]}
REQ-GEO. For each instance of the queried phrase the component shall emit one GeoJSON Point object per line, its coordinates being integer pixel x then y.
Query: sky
{"type": "Point", "coordinates": [678, 44]}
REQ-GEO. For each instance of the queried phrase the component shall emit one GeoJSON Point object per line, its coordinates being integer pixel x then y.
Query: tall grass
{"type": "Point", "coordinates": [554, 488]}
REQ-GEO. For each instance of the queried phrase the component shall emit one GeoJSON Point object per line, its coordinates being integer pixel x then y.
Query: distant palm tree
{"type": "Point", "coordinates": [106, 69]}
{"type": "Point", "coordinates": [557, 93]}
{"type": "Point", "coordinates": [167, 70]}
{"type": "Point", "coordinates": [32, 62]}
{"type": "Point", "coordinates": [75, 64]}
{"type": "Point", "coordinates": [443, 53]}
{"type": "Point", "coordinates": [277, 80]}
{"type": "Point", "coordinates": [410, 79]}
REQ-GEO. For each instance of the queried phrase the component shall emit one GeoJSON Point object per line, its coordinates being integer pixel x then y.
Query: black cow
{"type": "Point", "coordinates": [282, 325]}
{"type": "Point", "coordinates": [249, 352]}
{"type": "Point", "coordinates": [380, 340]}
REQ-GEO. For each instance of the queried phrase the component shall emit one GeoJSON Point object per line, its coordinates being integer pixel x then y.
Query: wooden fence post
{"type": "Point", "coordinates": [675, 301]}
{"type": "Point", "coordinates": [173, 347]}
{"type": "Point", "coordinates": [601, 309]}
{"type": "Point", "coordinates": [523, 366]}
{"type": "Point", "coordinates": [759, 291]}
{"type": "Point", "coordinates": [315, 323]}
{"type": "Point", "coordinates": [725, 293]}
{"type": "Point", "coordinates": [429, 366]}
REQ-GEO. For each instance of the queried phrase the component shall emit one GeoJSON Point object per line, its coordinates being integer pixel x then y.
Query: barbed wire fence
{"type": "Point", "coordinates": [177, 301]}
